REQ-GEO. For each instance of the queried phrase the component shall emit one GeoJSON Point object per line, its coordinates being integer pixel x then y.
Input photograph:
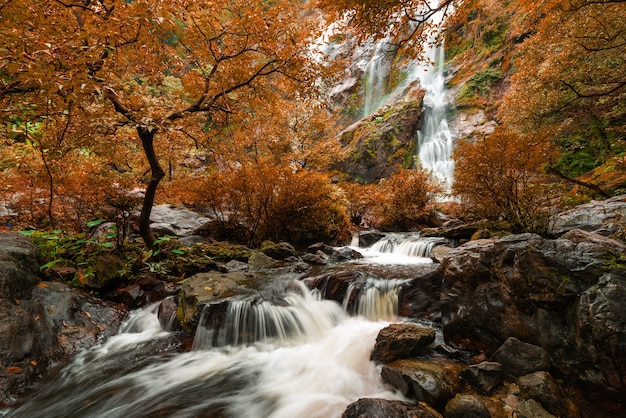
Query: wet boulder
{"type": "Point", "coordinates": [383, 408]}
{"type": "Point", "coordinates": [319, 259]}
{"type": "Point", "coordinates": [320, 247]}
{"type": "Point", "coordinates": [398, 341]}
{"type": "Point", "coordinates": [518, 358]}
{"type": "Point", "coordinates": [484, 376]}
{"type": "Point", "coordinates": [420, 297]}
{"type": "Point", "coordinates": [368, 238]}
{"type": "Point", "coordinates": [206, 288]}
{"type": "Point", "coordinates": [55, 322]}
{"type": "Point", "coordinates": [422, 380]}
{"type": "Point", "coordinates": [345, 254]}
{"type": "Point", "coordinates": [564, 295]}
{"type": "Point", "coordinates": [280, 251]}
{"type": "Point", "coordinates": [176, 221]}
{"type": "Point", "coordinates": [466, 406]}
{"type": "Point", "coordinates": [335, 285]}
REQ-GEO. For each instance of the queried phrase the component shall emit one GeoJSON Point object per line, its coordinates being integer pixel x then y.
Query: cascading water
{"type": "Point", "coordinates": [435, 140]}
{"type": "Point", "coordinates": [297, 316]}
{"type": "Point", "coordinates": [301, 357]}
{"type": "Point", "coordinates": [375, 76]}
{"type": "Point", "coordinates": [376, 299]}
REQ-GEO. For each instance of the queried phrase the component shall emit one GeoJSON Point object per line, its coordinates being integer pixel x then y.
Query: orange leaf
{"type": "Point", "coordinates": [14, 369]}
{"type": "Point", "coordinates": [17, 301]}
{"type": "Point", "coordinates": [42, 284]}
{"type": "Point", "coordinates": [33, 363]}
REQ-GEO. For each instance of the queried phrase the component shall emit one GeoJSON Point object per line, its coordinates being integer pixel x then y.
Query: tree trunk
{"type": "Point", "coordinates": [146, 134]}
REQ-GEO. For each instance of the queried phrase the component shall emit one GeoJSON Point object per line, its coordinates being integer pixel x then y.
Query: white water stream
{"type": "Point", "coordinates": [135, 374]}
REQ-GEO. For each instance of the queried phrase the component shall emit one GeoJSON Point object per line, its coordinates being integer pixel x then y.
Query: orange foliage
{"type": "Point", "coordinates": [499, 177]}
{"type": "Point", "coordinates": [276, 203]}
{"type": "Point", "coordinates": [403, 201]}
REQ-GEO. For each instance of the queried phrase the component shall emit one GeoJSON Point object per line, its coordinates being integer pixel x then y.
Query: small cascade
{"type": "Point", "coordinates": [375, 300]}
{"type": "Point", "coordinates": [411, 245]}
{"type": "Point", "coordinates": [297, 315]}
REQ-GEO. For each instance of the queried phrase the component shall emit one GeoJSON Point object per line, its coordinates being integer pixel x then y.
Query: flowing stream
{"type": "Point", "coordinates": [300, 357]}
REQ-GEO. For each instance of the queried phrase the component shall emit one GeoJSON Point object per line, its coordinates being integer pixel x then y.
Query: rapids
{"type": "Point", "coordinates": [302, 357]}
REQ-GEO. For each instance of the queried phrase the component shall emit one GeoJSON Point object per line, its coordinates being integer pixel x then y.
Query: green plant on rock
{"type": "Point", "coordinates": [480, 83]}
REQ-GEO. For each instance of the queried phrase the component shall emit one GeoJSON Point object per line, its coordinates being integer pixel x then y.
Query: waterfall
{"type": "Point", "coordinates": [435, 140]}
{"type": "Point", "coordinates": [143, 372]}
{"type": "Point", "coordinates": [375, 76]}
{"type": "Point", "coordinates": [298, 315]}
{"type": "Point", "coordinates": [408, 244]}
{"type": "Point", "coordinates": [375, 300]}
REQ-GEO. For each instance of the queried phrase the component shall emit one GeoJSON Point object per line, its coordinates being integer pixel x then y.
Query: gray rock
{"type": "Point", "coordinates": [368, 238]}
{"type": "Point", "coordinates": [206, 288]}
{"type": "Point", "coordinates": [542, 387]}
{"type": "Point", "coordinates": [592, 216]}
{"type": "Point", "coordinates": [56, 322]}
{"type": "Point", "coordinates": [280, 251]}
{"type": "Point", "coordinates": [345, 254]}
{"type": "Point", "coordinates": [484, 376]}
{"type": "Point", "coordinates": [172, 220]}
{"type": "Point", "coordinates": [313, 259]}
{"type": "Point", "coordinates": [559, 294]}
{"type": "Point", "coordinates": [518, 358]}
{"type": "Point", "coordinates": [259, 261]}
{"type": "Point", "coordinates": [439, 253]}
{"type": "Point", "coordinates": [466, 406]}
{"type": "Point", "coordinates": [320, 247]}
{"type": "Point", "coordinates": [19, 266]}
{"type": "Point", "coordinates": [532, 409]}
{"type": "Point", "coordinates": [334, 286]}
{"type": "Point", "coordinates": [235, 265]}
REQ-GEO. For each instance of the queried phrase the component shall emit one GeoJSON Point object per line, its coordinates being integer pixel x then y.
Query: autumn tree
{"type": "Point", "coordinates": [410, 21]}
{"type": "Point", "coordinates": [571, 83]}
{"type": "Point", "coordinates": [168, 70]}
{"type": "Point", "coordinates": [499, 177]}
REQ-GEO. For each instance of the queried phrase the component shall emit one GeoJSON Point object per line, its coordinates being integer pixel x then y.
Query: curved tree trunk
{"type": "Point", "coordinates": [146, 134]}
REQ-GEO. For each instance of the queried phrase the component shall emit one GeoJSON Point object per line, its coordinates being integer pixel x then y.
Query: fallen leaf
{"type": "Point", "coordinates": [88, 314]}
{"type": "Point", "coordinates": [17, 301]}
{"type": "Point", "coordinates": [42, 284]}
{"type": "Point", "coordinates": [33, 363]}
{"type": "Point", "coordinates": [14, 369]}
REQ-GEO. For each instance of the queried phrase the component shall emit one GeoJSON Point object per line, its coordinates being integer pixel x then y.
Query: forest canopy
{"type": "Point", "coordinates": [194, 102]}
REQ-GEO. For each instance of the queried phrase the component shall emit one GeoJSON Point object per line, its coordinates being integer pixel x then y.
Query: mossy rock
{"type": "Point", "coordinates": [205, 288]}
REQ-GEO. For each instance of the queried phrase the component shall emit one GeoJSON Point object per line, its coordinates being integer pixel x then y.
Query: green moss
{"type": "Point", "coordinates": [480, 83]}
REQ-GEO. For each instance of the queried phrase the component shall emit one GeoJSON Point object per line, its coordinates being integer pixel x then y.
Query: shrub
{"type": "Point", "coordinates": [499, 178]}
{"type": "Point", "coordinates": [405, 199]}
{"type": "Point", "coordinates": [277, 203]}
